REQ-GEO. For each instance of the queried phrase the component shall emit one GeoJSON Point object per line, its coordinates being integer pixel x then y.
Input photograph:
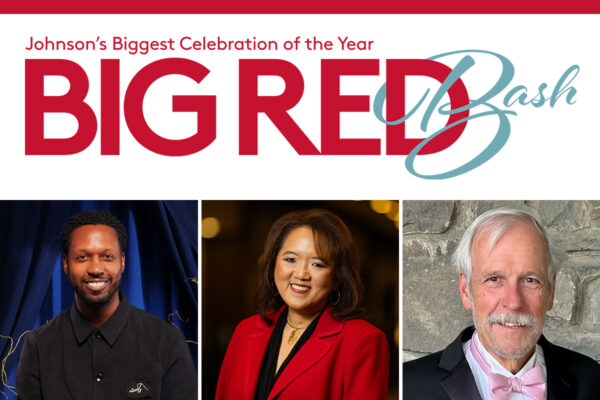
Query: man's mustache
{"type": "Point", "coordinates": [511, 318]}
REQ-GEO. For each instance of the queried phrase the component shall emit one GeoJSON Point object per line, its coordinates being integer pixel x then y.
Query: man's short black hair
{"type": "Point", "coordinates": [95, 217]}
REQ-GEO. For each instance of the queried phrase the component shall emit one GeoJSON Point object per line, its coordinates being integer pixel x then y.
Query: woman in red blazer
{"type": "Point", "coordinates": [307, 342]}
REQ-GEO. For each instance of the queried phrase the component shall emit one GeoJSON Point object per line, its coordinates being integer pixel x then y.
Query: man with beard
{"type": "Point", "coordinates": [507, 273]}
{"type": "Point", "coordinates": [102, 347]}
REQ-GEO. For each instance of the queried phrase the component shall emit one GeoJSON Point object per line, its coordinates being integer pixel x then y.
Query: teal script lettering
{"type": "Point", "coordinates": [481, 107]}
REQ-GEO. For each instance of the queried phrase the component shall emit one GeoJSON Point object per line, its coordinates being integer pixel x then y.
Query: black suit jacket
{"type": "Point", "coordinates": [446, 375]}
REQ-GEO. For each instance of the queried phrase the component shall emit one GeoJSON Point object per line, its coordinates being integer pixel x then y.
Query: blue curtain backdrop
{"type": "Point", "coordinates": [161, 267]}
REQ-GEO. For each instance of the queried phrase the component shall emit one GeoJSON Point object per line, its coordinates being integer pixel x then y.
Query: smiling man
{"type": "Point", "coordinates": [507, 273]}
{"type": "Point", "coordinates": [102, 347]}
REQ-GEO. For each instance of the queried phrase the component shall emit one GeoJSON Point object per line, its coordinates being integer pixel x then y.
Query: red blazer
{"type": "Point", "coordinates": [341, 360]}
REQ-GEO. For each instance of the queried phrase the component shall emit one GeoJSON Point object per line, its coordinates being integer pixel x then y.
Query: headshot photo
{"type": "Point", "coordinates": [501, 300]}
{"type": "Point", "coordinates": [100, 299]}
{"type": "Point", "coordinates": [300, 299]}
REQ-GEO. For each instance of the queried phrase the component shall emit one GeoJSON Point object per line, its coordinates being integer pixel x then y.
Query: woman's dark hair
{"type": "Point", "coordinates": [333, 242]}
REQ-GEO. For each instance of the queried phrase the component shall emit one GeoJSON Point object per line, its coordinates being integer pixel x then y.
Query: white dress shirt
{"type": "Point", "coordinates": [481, 378]}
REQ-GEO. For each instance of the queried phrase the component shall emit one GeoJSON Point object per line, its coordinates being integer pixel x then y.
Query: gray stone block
{"type": "Point", "coordinates": [583, 241]}
{"type": "Point", "coordinates": [590, 303]}
{"type": "Point", "coordinates": [487, 205]}
{"type": "Point", "coordinates": [426, 217]}
{"type": "Point", "coordinates": [595, 214]}
{"type": "Point", "coordinates": [421, 254]}
{"type": "Point", "coordinates": [565, 294]}
{"type": "Point", "coordinates": [579, 341]}
{"type": "Point", "coordinates": [415, 255]}
{"type": "Point", "coordinates": [564, 215]}
{"type": "Point", "coordinates": [432, 311]}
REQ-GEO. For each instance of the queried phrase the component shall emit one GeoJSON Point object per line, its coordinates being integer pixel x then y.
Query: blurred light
{"type": "Point", "coordinates": [210, 227]}
{"type": "Point", "coordinates": [394, 213]}
{"type": "Point", "coordinates": [381, 206]}
{"type": "Point", "coordinates": [397, 336]}
{"type": "Point", "coordinates": [397, 223]}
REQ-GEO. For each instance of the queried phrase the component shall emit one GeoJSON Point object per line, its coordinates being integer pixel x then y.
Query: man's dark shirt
{"type": "Point", "coordinates": [133, 355]}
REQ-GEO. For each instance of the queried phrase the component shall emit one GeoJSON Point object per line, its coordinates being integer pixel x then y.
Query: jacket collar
{"type": "Point", "coordinates": [323, 338]}
{"type": "Point", "coordinates": [110, 330]}
{"type": "Point", "coordinates": [327, 325]}
{"type": "Point", "coordinates": [460, 384]}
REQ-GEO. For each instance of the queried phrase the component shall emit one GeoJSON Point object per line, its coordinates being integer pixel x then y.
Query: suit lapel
{"type": "Point", "coordinates": [460, 383]}
{"type": "Point", "coordinates": [323, 338]}
{"type": "Point", "coordinates": [257, 346]}
{"type": "Point", "coordinates": [559, 384]}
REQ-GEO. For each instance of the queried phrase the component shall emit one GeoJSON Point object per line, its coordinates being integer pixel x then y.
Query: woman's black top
{"type": "Point", "coordinates": [267, 377]}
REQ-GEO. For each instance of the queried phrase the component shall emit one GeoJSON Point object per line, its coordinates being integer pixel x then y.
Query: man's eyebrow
{"type": "Point", "coordinates": [530, 272]}
{"type": "Point", "coordinates": [85, 250]}
{"type": "Point", "coordinates": [493, 272]}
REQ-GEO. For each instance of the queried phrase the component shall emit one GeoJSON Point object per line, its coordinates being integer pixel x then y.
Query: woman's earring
{"type": "Point", "coordinates": [337, 300]}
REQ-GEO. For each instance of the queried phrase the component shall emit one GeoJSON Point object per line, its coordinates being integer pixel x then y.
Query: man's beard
{"type": "Point", "coordinates": [527, 343]}
{"type": "Point", "coordinates": [97, 301]}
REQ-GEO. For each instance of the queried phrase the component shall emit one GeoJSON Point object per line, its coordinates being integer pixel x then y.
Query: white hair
{"type": "Point", "coordinates": [495, 223]}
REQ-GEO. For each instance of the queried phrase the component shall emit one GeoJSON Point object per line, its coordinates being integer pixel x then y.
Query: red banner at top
{"type": "Point", "coordinates": [304, 7]}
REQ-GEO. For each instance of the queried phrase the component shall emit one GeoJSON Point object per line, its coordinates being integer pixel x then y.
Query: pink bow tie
{"type": "Point", "coordinates": [532, 383]}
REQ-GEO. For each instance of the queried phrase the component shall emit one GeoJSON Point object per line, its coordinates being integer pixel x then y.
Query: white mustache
{"type": "Point", "coordinates": [511, 318]}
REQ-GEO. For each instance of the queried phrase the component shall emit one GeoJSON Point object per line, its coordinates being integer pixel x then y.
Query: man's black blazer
{"type": "Point", "coordinates": [447, 374]}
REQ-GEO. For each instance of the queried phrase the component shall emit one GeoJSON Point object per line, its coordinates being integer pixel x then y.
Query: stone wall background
{"type": "Point", "coordinates": [432, 311]}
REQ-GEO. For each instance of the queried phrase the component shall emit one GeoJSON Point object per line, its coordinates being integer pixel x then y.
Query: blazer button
{"type": "Point", "coordinates": [99, 377]}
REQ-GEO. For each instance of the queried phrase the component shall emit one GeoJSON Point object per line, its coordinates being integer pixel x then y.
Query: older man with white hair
{"type": "Point", "coordinates": [507, 273]}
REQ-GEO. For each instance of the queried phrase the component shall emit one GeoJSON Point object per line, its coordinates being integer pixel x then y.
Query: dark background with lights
{"type": "Point", "coordinates": [233, 235]}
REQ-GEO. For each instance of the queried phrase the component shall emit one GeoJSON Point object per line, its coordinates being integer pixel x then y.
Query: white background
{"type": "Point", "coordinates": [551, 152]}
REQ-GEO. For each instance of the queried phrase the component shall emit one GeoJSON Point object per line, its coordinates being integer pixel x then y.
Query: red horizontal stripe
{"type": "Point", "coordinates": [298, 7]}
